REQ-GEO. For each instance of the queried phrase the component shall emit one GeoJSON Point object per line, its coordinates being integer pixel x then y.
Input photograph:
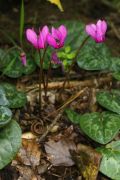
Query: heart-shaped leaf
{"type": "Point", "coordinates": [73, 116]}
{"type": "Point", "coordinates": [10, 141]}
{"type": "Point", "coordinates": [101, 127]}
{"type": "Point", "coordinates": [4, 58]}
{"type": "Point", "coordinates": [94, 56]}
{"type": "Point", "coordinates": [110, 164]}
{"type": "Point", "coordinates": [16, 98]}
{"type": "Point", "coordinates": [109, 100]}
{"type": "Point", "coordinates": [3, 99]}
{"type": "Point", "coordinates": [5, 116]}
{"type": "Point", "coordinates": [15, 69]}
{"type": "Point", "coordinates": [115, 64]}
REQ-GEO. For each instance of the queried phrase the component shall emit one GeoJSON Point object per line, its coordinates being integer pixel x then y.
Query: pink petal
{"type": "Point", "coordinates": [101, 27]}
{"type": "Point", "coordinates": [32, 37]}
{"type": "Point", "coordinates": [101, 30]}
{"type": "Point", "coordinates": [56, 33]}
{"type": "Point", "coordinates": [51, 41]}
{"type": "Point", "coordinates": [63, 31]}
{"type": "Point", "coordinates": [41, 42]}
{"type": "Point", "coordinates": [104, 26]}
{"type": "Point", "coordinates": [91, 30]}
{"type": "Point", "coordinates": [45, 32]}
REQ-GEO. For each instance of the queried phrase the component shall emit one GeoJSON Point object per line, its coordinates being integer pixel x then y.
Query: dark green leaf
{"type": "Point", "coordinates": [73, 116]}
{"type": "Point", "coordinates": [30, 67]}
{"type": "Point", "coordinates": [4, 58]}
{"type": "Point", "coordinates": [115, 64]}
{"type": "Point", "coordinates": [10, 141]}
{"type": "Point", "coordinates": [16, 98]}
{"type": "Point", "coordinates": [3, 99]}
{"type": "Point", "coordinates": [15, 69]}
{"type": "Point", "coordinates": [5, 116]}
{"type": "Point", "coordinates": [109, 100]}
{"type": "Point", "coordinates": [110, 164]}
{"type": "Point", "coordinates": [94, 56]}
{"type": "Point", "coordinates": [101, 127]}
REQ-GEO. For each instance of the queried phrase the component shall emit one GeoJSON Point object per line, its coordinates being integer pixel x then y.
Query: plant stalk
{"type": "Point", "coordinates": [73, 63]}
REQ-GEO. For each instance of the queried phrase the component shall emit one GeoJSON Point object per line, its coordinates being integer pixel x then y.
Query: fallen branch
{"type": "Point", "coordinates": [94, 82]}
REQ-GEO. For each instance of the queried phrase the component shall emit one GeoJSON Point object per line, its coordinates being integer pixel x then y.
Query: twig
{"type": "Point", "coordinates": [60, 112]}
{"type": "Point", "coordinates": [95, 82]}
{"type": "Point", "coordinates": [51, 126]}
{"type": "Point", "coordinates": [71, 99]}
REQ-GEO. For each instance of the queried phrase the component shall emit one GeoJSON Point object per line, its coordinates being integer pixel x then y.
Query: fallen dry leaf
{"type": "Point", "coordinates": [58, 152]}
{"type": "Point", "coordinates": [29, 153]}
{"type": "Point", "coordinates": [28, 135]}
{"type": "Point", "coordinates": [26, 173]}
{"type": "Point", "coordinates": [88, 160]}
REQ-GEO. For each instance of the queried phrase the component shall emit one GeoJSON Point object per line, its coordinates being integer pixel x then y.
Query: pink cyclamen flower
{"type": "Point", "coordinates": [23, 58]}
{"type": "Point", "coordinates": [55, 59]}
{"type": "Point", "coordinates": [97, 31]}
{"type": "Point", "coordinates": [57, 37]}
{"type": "Point", "coordinates": [38, 41]}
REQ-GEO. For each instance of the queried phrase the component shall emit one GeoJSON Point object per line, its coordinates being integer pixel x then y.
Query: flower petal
{"type": "Point", "coordinates": [63, 31]}
{"type": "Point", "coordinates": [45, 32]}
{"type": "Point", "coordinates": [32, 37]}
{"type": "Point", "coordinates": [101, 26]}
{"type": "Point", "coordinates": [56, 33]}
{"type": "Point", "coordinates": [41, 42]}
{"type": "Point", "coordinates": [101, 30]}
{"type": "Point", "coordinates": [51, 41]}
{"type": "Point", "coordinates": [91, 30]}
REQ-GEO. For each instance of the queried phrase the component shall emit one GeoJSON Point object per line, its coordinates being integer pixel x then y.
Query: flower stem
{"type": "Point", "coordinates": [41, 78]}
{"type": "Point", "coordinates": [73, 63]}
{"type": "Point", "coordinates": [40, 82]}
{"type": "Point", "coordinates": [47, 77]}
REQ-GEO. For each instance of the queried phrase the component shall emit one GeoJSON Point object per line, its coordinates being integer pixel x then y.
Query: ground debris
{"type": "Point", "coordinates": [58, 152]}
{"type": "Point", "coordinates": [88, 160]}
{"type": "Point", "coordinates": [29, 153]}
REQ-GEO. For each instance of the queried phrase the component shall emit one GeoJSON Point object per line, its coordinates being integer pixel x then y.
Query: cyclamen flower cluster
{"type": "Point", "coordinates": [56, 38]}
